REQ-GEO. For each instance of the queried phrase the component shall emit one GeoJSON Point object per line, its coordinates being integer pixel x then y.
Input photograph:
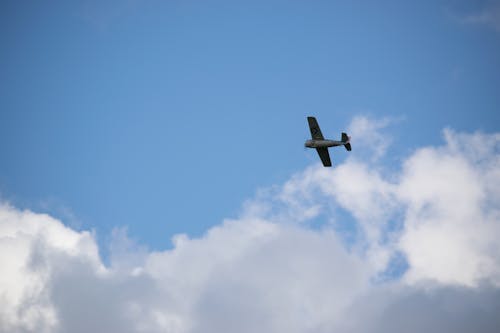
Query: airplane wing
{"type": "Point", "coordinates": [325, 156]}
{"type": "Point", "coordinates": [315, 130]}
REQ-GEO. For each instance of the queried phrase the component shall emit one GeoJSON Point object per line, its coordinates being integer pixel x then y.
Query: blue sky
{"type": "Point", "coordinates": [164, 116]}
{"type": "Point", "coordinates": [153, 175]}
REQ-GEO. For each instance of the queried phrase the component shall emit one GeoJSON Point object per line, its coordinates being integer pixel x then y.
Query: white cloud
{"type": "Point", "coordinates": [452, 224]}
{"type": "Point", "coordinates": [365, 132]}
{"type": "Point", "coordinates": [269, 271]}
{"type": "Point", "coordinates": [253, 274]}
{"type": "Point", "coordinates": [25, 272]}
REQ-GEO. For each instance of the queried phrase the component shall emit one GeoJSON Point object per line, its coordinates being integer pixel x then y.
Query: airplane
{"type": "Point", "coordinates": [321, 145]}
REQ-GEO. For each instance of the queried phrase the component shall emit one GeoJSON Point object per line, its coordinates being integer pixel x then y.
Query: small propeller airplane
{"type": "Point", "coordinates": [321, 145]}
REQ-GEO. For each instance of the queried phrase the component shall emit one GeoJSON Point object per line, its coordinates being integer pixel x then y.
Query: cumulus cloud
{"type": "Point", "coordinates": [452, 224]}
{"type": "Point", "coordinates": [366, 134]}
{"type": "Point", "coordinates": [246, 275]}
{"type": "Point", "coordinates": [397, 308]}
{"type": "Point", "coordinates": [283, 264]}
{"type": "Point", "coordinates": [28, 244]}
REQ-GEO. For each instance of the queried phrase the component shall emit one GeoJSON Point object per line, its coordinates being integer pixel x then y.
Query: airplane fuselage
{"type": "Point", "coordinates": [323, 143]}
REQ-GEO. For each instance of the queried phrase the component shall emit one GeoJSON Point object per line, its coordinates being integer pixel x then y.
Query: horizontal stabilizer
{"type": "Point", "coordinates": [345, 140]}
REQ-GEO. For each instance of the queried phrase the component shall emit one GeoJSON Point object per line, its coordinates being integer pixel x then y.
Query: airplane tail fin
{"type": "Point", "coordinates": [346, 139]}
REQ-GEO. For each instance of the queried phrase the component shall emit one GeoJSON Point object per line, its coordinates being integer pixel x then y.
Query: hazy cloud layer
{"type": "Point", "coordinates": [489, 15]}
{"type": "Point", "coordinates": [286, 265]}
